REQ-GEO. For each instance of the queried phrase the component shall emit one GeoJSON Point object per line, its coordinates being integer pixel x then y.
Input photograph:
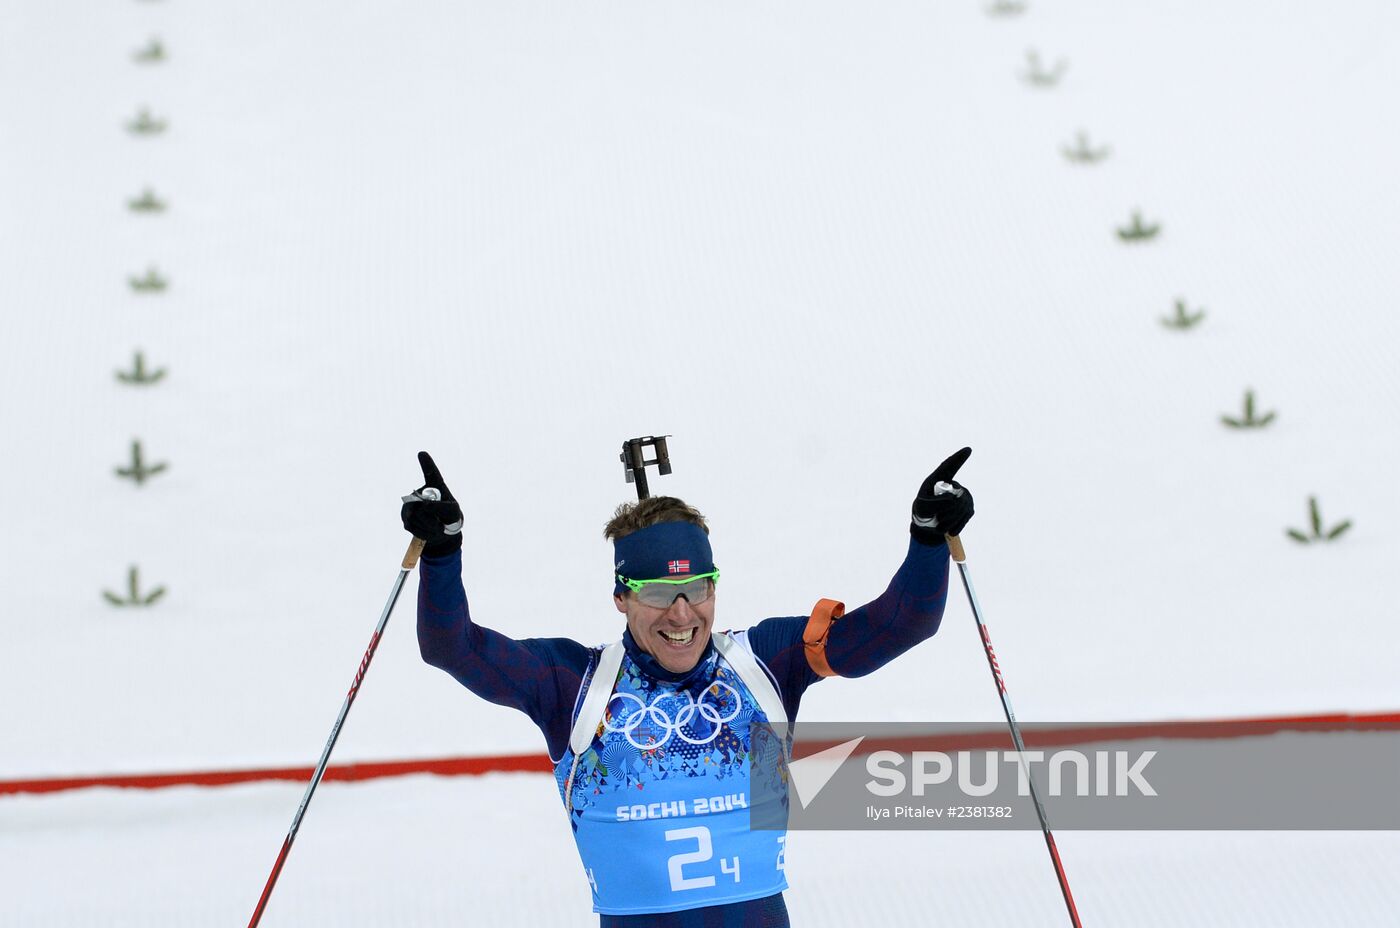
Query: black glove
{"type": "Point", "coordinates": [937, 514]}
{"type": "Point", "coordinates": [437, 522]}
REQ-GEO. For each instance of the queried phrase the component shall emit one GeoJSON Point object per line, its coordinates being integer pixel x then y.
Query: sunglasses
{"type": "Point", "coordinates": [662, 593]}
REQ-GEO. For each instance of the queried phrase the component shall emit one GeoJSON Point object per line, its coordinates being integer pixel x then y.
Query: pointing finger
{"type": "Point", "coordinates": [949, 468]}
{"type": "Point", "coordinates": [431, 475]}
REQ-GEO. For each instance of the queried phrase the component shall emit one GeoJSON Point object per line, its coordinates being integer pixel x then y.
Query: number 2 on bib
{"type": "Point", "coordinates": [704, 851]}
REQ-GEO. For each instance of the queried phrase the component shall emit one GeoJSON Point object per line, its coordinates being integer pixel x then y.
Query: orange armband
{"type": "Point", "coordinates": [825, 612]}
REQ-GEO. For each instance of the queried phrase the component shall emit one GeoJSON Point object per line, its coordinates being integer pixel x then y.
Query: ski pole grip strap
{"type": "Point", "coordinates": [415, 550]}
{"type": "Point", "coordinates": [955, 548]}
{"type": "Point", "coordinates": [825, 612]}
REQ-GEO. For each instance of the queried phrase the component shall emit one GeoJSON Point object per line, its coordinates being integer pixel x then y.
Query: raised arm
{"type": "Point", "coordinates": [906, 613]}
{"type": "Point", "coordinates": [866, 638]}
{"type": "Point", "coordinates": [912, 606]}
{"type": "Point", "coordinates": [538, 676]}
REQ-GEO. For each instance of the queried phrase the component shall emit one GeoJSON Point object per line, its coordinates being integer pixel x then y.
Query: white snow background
{"type": "Point", "coordinates": [822, 245]}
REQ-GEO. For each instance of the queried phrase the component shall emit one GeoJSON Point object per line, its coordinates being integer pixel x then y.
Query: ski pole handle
{"type": "Point", "coordinates": [415, 551]}
{"type": "Point", "coordinates": [415, 547]}
{"type": "Point", "coordinates": [955, 547]}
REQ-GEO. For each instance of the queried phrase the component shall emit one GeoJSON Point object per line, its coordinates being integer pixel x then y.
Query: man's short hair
{"type": "Point", "coordinates": [633, 517]}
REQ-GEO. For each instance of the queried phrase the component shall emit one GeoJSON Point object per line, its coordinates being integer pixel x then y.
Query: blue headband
{"type": "Point", "coordinates": [668, 549]}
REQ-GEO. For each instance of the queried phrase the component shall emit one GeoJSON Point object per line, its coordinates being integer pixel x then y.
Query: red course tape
{"type": "Point", "coordinates": [539, 763]}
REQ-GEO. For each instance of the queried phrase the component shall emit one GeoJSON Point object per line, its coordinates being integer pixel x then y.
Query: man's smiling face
{"type": "Point", "coordinates": [676, 635]}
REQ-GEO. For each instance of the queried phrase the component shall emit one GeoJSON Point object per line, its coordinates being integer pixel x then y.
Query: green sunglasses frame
{"type": "Point", "coordinates": [636, 585]}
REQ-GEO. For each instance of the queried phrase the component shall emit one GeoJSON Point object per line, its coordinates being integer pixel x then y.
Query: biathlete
{"type": "Point", "coordinates": [649, 735]}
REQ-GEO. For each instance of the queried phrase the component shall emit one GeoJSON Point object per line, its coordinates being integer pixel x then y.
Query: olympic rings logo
{"type": "Point", "coordinates": [656, 718]}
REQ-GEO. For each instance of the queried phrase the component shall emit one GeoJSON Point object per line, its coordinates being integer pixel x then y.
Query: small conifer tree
{"type": "Point", "coordinates": [138, 470]}
{"type": "Point", "coordinates": [1318, 533]}
{"type": "Point", "coordinates": [1037, 75]}
{"type": "Point", "coordinates": [143, 123]}
{"type": "Point", "coordinates": [1250, 420]}
{"type": "Point", "coordinates": [1006, 8]}
{"type": "Point", "coordinates": [150, 282]}
{"type": "Point", "coordinates": [139, 375]}
{"type": "Point", "coordinates": [1137, 230]}
{"type": "Point", "coordinates": [147, 202]}
{"type": "Point", "coordinates": [1182, 319]}
{"type": "Point", "coordinates": [1084, 153]}
{"type": "Point", "coordinates": [134, 596]}
{"type": "Point", "coordinates": [152, 53]}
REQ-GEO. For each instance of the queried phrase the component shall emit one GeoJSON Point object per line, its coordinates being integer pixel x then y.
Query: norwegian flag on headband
{"type": "Point", "coordinates": [678, 567]}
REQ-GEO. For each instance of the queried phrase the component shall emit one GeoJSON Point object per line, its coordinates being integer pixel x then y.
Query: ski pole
{"type": "Point", "coordinates": [410, 560]}
{"type": "Point", "coordinates": [955, 548]}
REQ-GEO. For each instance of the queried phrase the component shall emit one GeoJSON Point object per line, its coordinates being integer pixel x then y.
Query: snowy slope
{"type": "Point", "coordinates": [821, 245]}
{"type": "Point", "coordinates": [384, 854]}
